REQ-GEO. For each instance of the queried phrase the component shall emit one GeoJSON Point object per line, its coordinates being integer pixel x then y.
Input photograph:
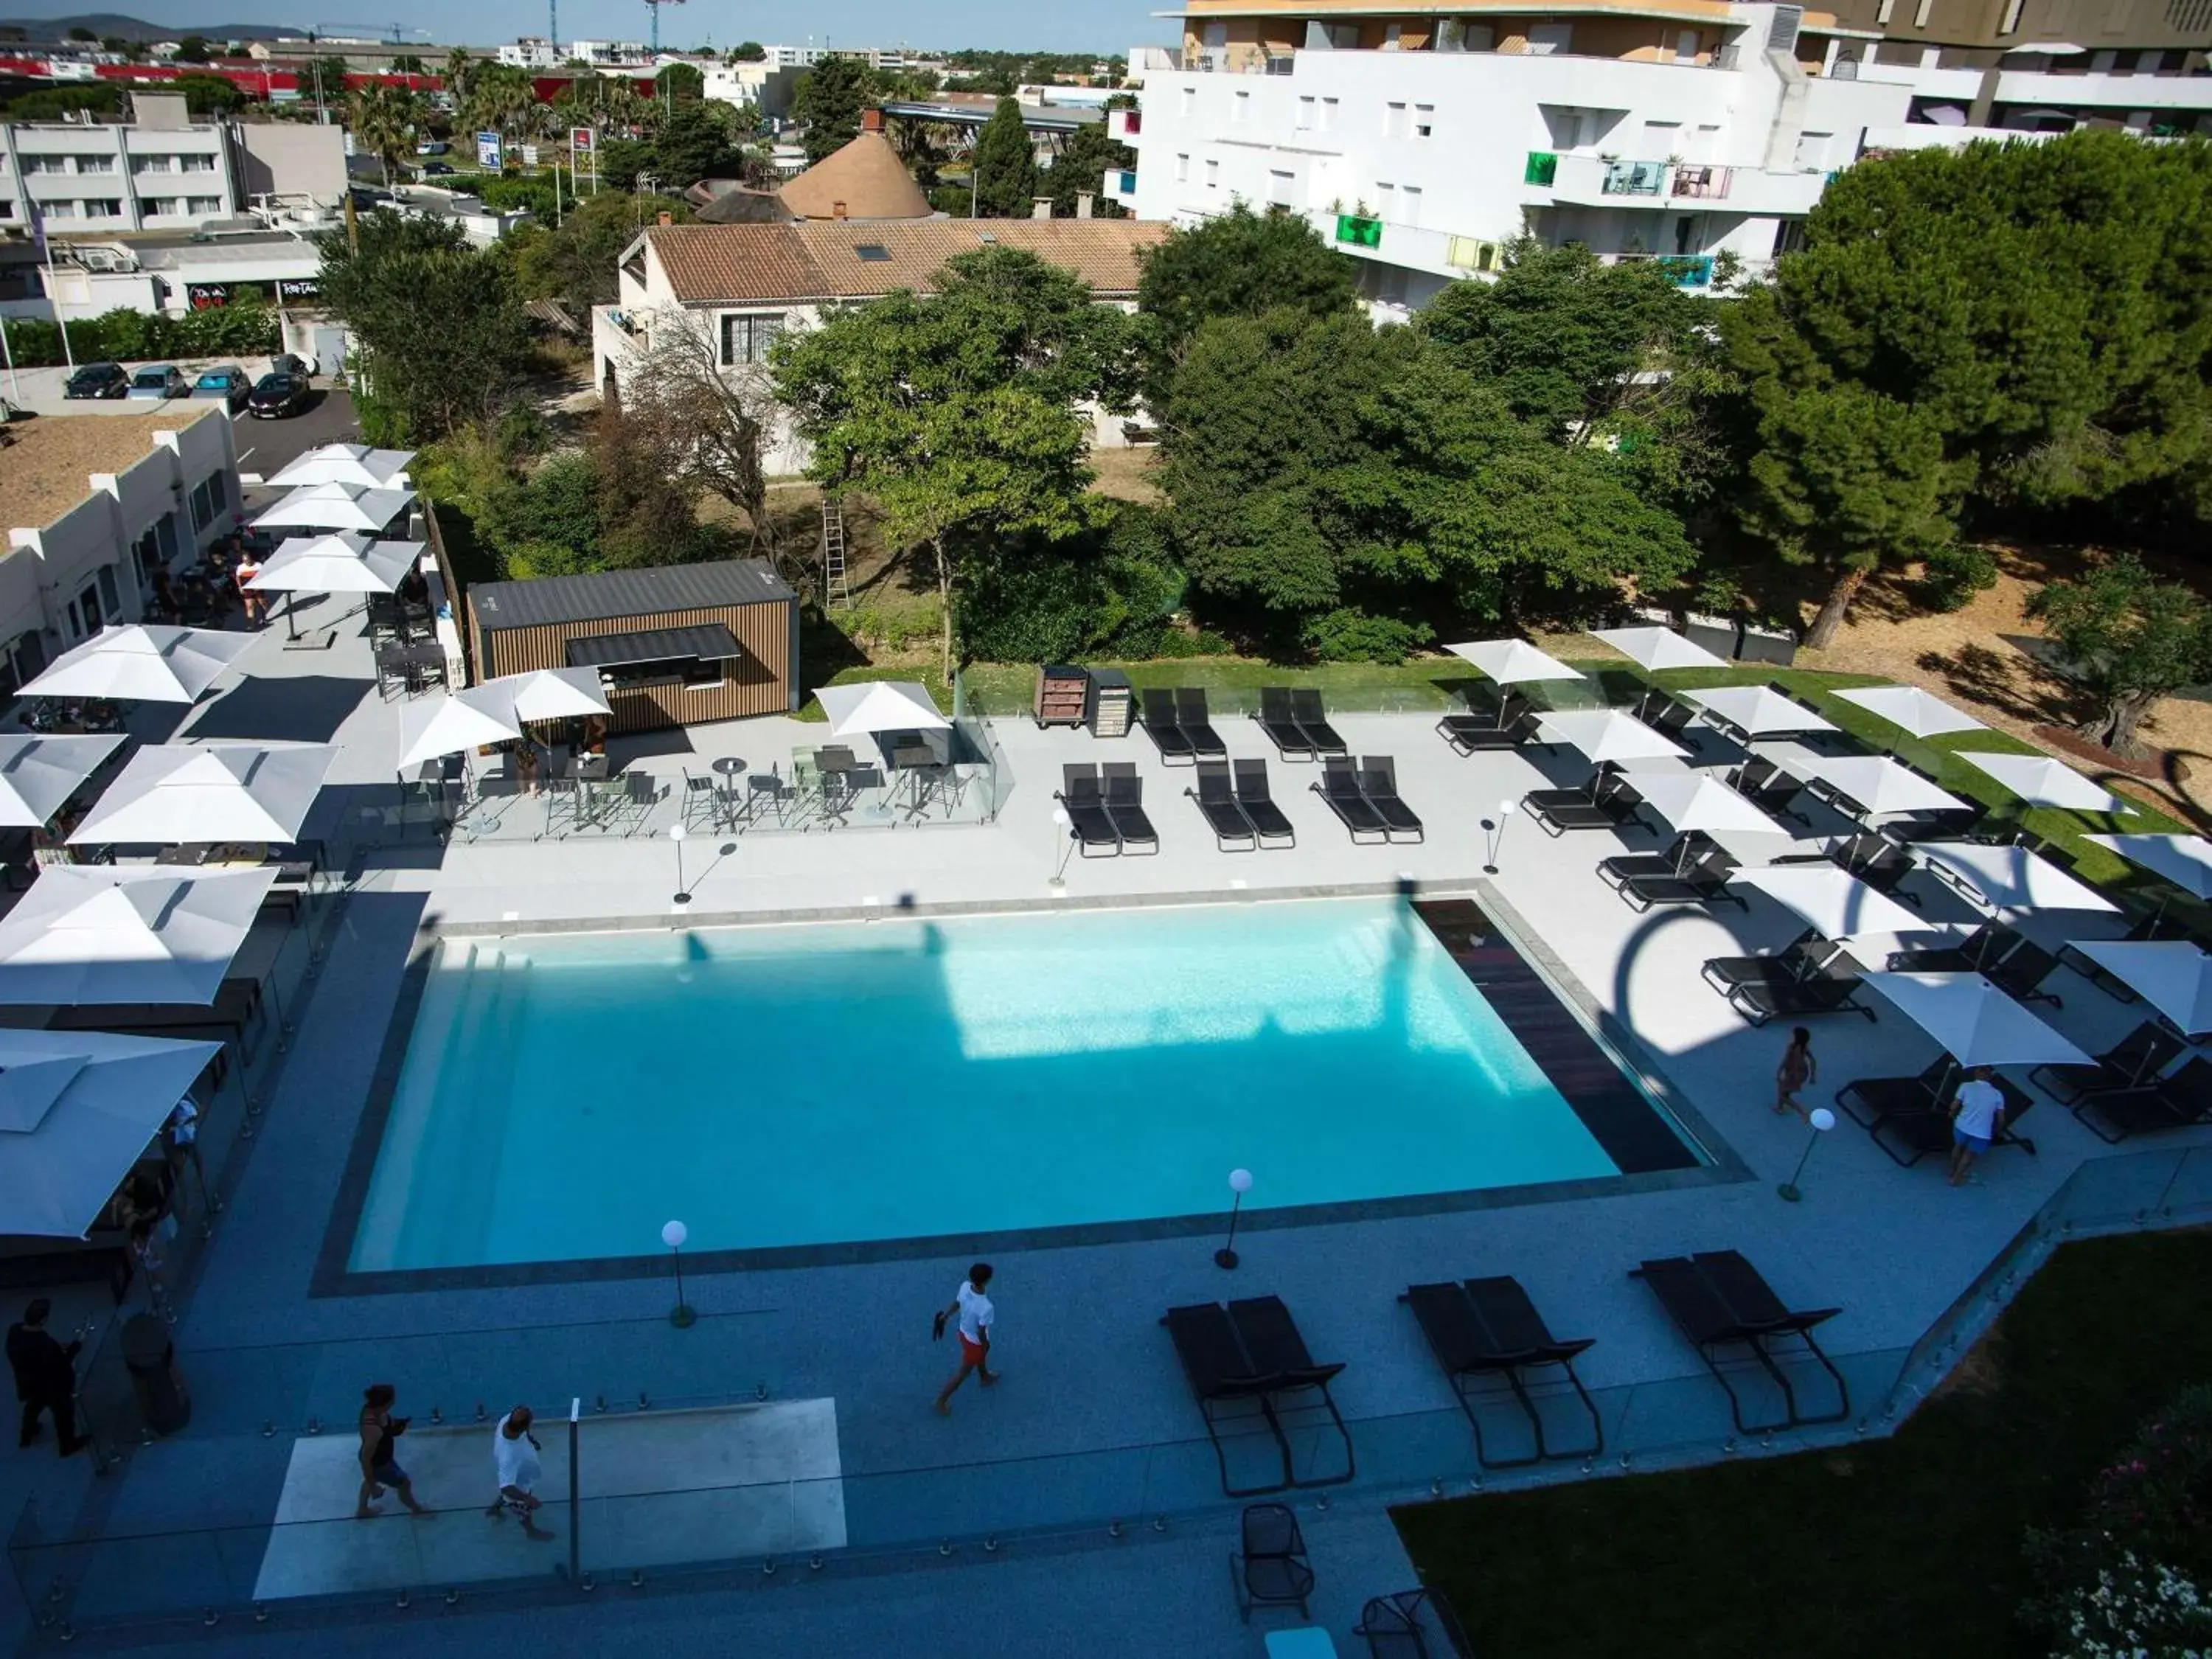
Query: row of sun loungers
{"type": "Point", "coordinates": [1695, 870]}
{"type": "Point", "coordinates": [1909, 1117]}
{"type": "Point", "coordinates": [1105, 807]}
{"type": "Point", "coordinates": [1365, 798]}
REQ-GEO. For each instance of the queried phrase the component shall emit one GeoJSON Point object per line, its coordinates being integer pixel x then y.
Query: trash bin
{"type": "Point", "coordinates": [151, 1358]}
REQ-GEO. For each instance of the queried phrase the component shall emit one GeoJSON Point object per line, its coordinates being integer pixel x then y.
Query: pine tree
{"type": "Point", "coordinates": [1005, 170]}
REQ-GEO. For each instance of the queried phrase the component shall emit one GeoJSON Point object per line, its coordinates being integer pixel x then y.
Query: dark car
{"type": "Point", "coordinates": [434, 170]}
{"type": "Point", "coordinates": [276, 396]}
{"type": "Point", "coordinates": [97, 380]}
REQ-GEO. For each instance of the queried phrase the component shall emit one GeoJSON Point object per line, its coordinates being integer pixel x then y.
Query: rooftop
{"type": "Point", "coordinates": [47, 468]}
{"type": "Point", "coordinates": [865, 179]}
{"type": "Point", "coordinates": [606, 593]}
{"type": "Point", "coordinates": [723, 265]}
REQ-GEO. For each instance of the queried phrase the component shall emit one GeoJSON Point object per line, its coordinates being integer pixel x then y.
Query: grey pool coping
{"type": "Point", "coordinates": [334, 1277]}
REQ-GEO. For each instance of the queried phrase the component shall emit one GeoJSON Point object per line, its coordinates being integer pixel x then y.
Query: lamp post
{"type": "Point", "coordinates": [1240, 1183]}
{"type": "Point", "coordinates": [1061, 824]}
{"type": "Point", "coordinates": [1497, 828]}
{"type": "Point", "coordinates": [676, 835]}
{"type": "Point", "coordinates": [673, 1235]}
{"type": "Point", "coordinates": [1822, 1121]}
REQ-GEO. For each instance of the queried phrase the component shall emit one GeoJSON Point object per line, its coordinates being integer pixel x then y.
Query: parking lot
{"type": "Point", "coordinates": [264, 447]}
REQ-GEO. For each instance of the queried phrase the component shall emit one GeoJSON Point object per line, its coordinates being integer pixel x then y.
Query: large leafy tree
{"type": "Point", "coordinates": [575, 263]}
{"type": "Point", "coordinates": [383, 122]}
{"type": "Point", "coordinates": [1082, 165]}
{"type": "Point", "coordinates": [828, 102]}
{"type": "Point", "coordinates": [2127, 638]}
{"type": "Point", "coordinates": [960, 412]}
{"type": "Point", "coordinates": [1005, 166]}
{"type": "Point", "coordinates": [1237, 263]}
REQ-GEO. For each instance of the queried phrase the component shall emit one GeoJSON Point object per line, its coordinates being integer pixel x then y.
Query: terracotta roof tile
{"type": "Point", "coordinates": [866, 179]}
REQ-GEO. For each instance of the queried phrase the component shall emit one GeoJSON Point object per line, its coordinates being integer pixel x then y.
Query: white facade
{"type": "Point", "coordinates": [532, 51]}
{"type": "Point", "coordinates": [601, 53]}
{"type": "Point", "coordinates": [114, 178]}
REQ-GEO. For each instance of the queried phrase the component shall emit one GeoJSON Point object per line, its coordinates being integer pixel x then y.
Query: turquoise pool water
{"type": "Point", "coordinates": [564, 1095]}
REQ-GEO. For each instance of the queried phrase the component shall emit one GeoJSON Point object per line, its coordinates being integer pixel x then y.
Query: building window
{"type": "Point", "coordinates": [203, 510]}
{"type": "Point", "coordinates": [1920, 15]}
{"type": "Point", "coordinates": [1182, 169]}
{"type": "Point", "coordinates": [1386, 202]}
{"type": "Point", "coordinates": [44, 163]}
{"type": "Point", "coordinates": [2011, 23]}
{"type": "Point", "coordinates": [1409, 204]}
{"type": "Point", "coordinates": [95, 164]}
{"type": "Point", "coordinates": [1424, 120]}
{"type": "Point", "coordinates": [1329, 114]}
{"type": "Point", "coordinates": [7, 208]}
{"type": "Point", "coordinates": [218, 492]}
{"type": "Point", "coordinates": [111, 602]}
{"type": "Point", "coordinates": [1279, 186]}
{"type": "Point", "coordinates": [206, 205]}
{"type": "Point", "coordinates": [1881, 12]}
{"type": "Point", "coordinates": [1305, 113]}
{"type": "Point", "coordinates": [195, 164]}
{"type": "Point", "coordinates": [746, 339]}
{"type": "Point", "coordinates": [99, 208]}
{"type": "Point", "coordinates": [1394, 121]}
{"type": "Point", "coordinates": [153, 164]}
{"type": "Point", "coordinates": [1213, 175]}
{"type": "Point", "coordinates": [1189, 102]}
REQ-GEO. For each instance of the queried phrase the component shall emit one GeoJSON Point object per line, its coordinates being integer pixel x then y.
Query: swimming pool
{"type": "Point", "coordinates": [562, 1096]}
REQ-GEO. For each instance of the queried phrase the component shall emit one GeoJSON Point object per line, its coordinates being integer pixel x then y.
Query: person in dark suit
{"type": "Point", "coordinates": [46, 1376]}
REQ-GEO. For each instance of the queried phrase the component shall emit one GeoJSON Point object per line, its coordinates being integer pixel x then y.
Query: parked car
{"type": "Point", "coordinates": [432, 147]}
{"type": "Point", "coordinates": [158, 380]}
{"type": "Point", "coordinates": [434, 170]}
{"type": "Point", "coordinates": [97, 380]}
{"type": "Point", "coordinates": [277, 396]}
{"type": "Point", "coordinates": [285, 363]}
{"type": "Point", "coordinates": [227, 381]}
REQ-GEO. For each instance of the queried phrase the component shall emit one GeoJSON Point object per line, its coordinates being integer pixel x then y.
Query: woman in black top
{"type": "Point", "coordinates": [379, 1465]}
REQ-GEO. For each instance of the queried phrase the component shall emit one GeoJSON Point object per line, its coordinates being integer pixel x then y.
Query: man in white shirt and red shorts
{"type": "Point", "coordinates": [975, 1315]}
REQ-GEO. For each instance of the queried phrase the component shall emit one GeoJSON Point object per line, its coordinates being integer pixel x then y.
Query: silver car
{"type": "Point", "coordinates": [158, 380]}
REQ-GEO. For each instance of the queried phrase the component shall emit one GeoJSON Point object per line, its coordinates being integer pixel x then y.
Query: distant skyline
{"type": "Point", "coordinates": [1101, 25]}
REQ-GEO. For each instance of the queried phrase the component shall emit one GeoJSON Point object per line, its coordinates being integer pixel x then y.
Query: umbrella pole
{"type": "Point", "coordinates": [292, 617]}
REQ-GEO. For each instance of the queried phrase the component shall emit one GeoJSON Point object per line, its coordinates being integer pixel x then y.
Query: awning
{"type": "Point", "coordinates": [708, 642]}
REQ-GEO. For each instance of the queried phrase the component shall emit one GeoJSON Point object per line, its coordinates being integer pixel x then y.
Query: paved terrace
{"type": "Point", "coordinates": [1093, 1422]}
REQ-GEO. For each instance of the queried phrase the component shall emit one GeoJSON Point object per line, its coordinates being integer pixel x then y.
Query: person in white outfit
{"type": "Point", "coordinates": [514, 1459]}
{"type": "Point", "coordinates": [976, 1315]}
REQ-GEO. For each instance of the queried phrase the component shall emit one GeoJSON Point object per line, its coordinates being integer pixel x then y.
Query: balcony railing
{"type": "Point", "coordinates": [1683, 270]}
{"type": "Point", "coordinates": [1701, 184]}
{"type": "Point", "coordinates": [1633, 178]}
{"type": "Point", "coordinates": [1356, 231]}
{"type": "Point", "coordinates": [1543, 168]}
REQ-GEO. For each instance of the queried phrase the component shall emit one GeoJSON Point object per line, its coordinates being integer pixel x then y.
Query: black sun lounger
{"type": "Point", "coordinates": [1087, 820]}
{"type": "Point", "coordinates": [1486, 1332]}
{"type": "Point", "coordinates": [2133, 1063]}
{"type": "Point", "coordinates": [1125, 807]}
{"type": "Point", "coordinates": [1165, 731]}
{"type": "Point", "coordinates": [1768, 787]}
{"type": "Point", "coordinates": [1731, 1317]}
{"type": "Point", "coordinates": [1378, 781]}
{"type": "Point", "coordinates": [1908, 1133]}
{"type": "Point", "coordinates": [1870, 1099]}
{"type": "Point", "coordinates": [1669, 716]}
{"type": "Point", "coordinates": [1809, 953]}
{"type": "Point", "coordinates": [1340, 787]}
{"type": "Point", "coordinates": [1975, 954]}
{"type": "Point", "coordinates": [1282, 730]}
{"type": "Point", "coordinates": [1233, 832]}
{"type": "Point", "coordinates": [1260, 806]}
{"type": "Point", "coordinates": [1608, 802]}
{"type": "Point", "coordinates": [2171, 1103]}
{"type": "Point", "coordinates": [1832, 989]}
{"type": "Point", "coordinates": [1878, 862]}
{"type": "Point", "coordinates": [1313, 719]}
{"type": "Point", "coordinates": [1705, 882]}
{"type": "Point", "coordinates": [1190, 714]}
{"type": "Point", "coordinates": [1249, 1369]}
{"type": "Point", "coordinates": [1470, 734]}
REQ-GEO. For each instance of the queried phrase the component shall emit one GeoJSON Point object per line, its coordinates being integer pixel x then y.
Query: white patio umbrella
{"type": "Point", "coordinates": [2172, 975]}
{"type": "Point", "coordinates": [1607, 734]}
{"type": "Point", "coordinates": [1977, 1024]}
{"type": "Point", "coordinates": [345, 464]}
{"type": "Point", "coordinates": [39, 775]}
{"type": "Point", "coordinates": [142, 662]}
{"type": "Point", "coordinates": [1910, 710]}
{"type": "Point", "coordinates": [1657, 648]}
{"type": "Point", "coordinates": [543, 694]}
{"type": "Point", "coordinates": [1511, 662]}
{"type": "Point", "coordinates": [336, 507]}
{"type": "Point", "coordinates": [446, 725]}
{"type": "Point", "coordinates": [1757, 711]}
{"type": "Point", "coordinates": [77, 1111]}
{"type": "Point", "coordinates": [1875, 781]}
{"type": "Point", "coordinates": [2010, 878]}
{"type": "Point", "coordinates": [187, 792]}
{"type": "Point", "coordinates": [873, 706]}
{"type": "Point", "coordinates": [2184, 861]}
{"type": "Point", "coordinates": [1693, 800]}
{"type": "Point", "coordinates": [2042, 782]}
{"type": "Point", "coordinates": [88, 934]}
{"type": "Point", "coordinates": [1832, 902]}
{"type": "Point", "coordinates": [345, 562]}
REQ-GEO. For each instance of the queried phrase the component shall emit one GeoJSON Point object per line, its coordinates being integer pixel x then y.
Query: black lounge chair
{"type": "Point", "coordinates": [1165, 731]}
{"type": "Point", "coordinates": [1414, 1623]}
{"type": "Point", "coordinates": [1271, 1569]}
{"type": "Point", "coordinates": [1768, 787]}
{"type": "Point", "coordinates": [1125, 805]}
{"type": "Point", "coordinates": [1087, 819]}
{"type": "Point", "coordinates": [2170, 1102]}
{"type": "Point", "coordinates": [1910, 1131]}
{"type": "Point", "coordinates": [1607, 803]}
{"type": "Point", "coordinates": [1340, 787]}
{"type": "Point", "coordinates": [1486, 1332]}
{"type": "Point", "coordinates": [1281, 727]}
{"type": "Point", "coordinates": [1249, 1369]}
{"type": "Point", "coordinates": [1731, 1317]}
{"type": "Point", "coordinates": [1832, 989]}
{"type": "Point", "coordinates": [1868, 1100]}
{"type": "Point", "coordinates": [1807, 954]}
{"type": "Point", "coordinates": [1975, 954]}
{"type": "Point", "coordinates": [1941, 823]}
{"type": "Point", "coordinates": [2133, 1063]}
{"type": "Point", "coordinates": [1468, 735]}
{"type": "Point", "coordinates": [1217, 800]}
{"type": "Point", "coordinates": [1669, 716]}
{"type": "Point", "coordinates": [1705, 882]}
{"type": "Point", "coordinates": [2021, 973]}
{"type": "Point", "coordinates": [1878, 862]}
{"type": "Point", "coordinates": [1378, 783]}
{"type": "Point", "coordinates": [1313, 719]}
{"type": "Point", "coordinates": [1190, 714]}
{"type": "Point", "coordinates": [1267, 818]}
{"type": "Point", "coordinates": [1686, 850]}
{"type": "Point", "coordinates": [2153, 926]}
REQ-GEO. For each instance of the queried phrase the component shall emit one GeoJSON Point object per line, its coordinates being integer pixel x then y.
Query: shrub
{"type": "Point", "coordinates": [1347, 635]}
{"type": "Point", "coordinates": [1108, 593]}
{"type": "Point", "coordinates": [1954, 575]}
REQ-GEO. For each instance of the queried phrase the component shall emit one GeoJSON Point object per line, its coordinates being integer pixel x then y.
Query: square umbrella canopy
{"type": "Point", "coordinates": [542, 694]}
{"type": "Point", "coordinates": [1977, 1024]}
{"type": "Point", "coordinates": [2184, 861]}
{"type": "Point", "coordinates": [2011, 878]}
{"type": "Point", "coordinates": [1757, 711]}
{"type": "Point", "coordinates": [39, 775]}
{"type": "Point", "coordinates": [336, 507]}
{"type": "Point", "coordinates": [345, 464]}
{"type": "Point", "coordinates": [347, 563]}
{"type": "Point", "coordinates": [1691, 800]}
{"type": "Point", "coordinates": [446, 725]}
{"type": "Point", "coordinates": [2041, 781]}
{"type": "Point", "coordinates": [1875, 781]}
{"type": "Point", "coordinates": [872, 706]}
{"type": "Point", "coordinates": [2172, 975]}
{"type": "Point", "coordinates": [142, 662]}
{"type": "Point", "coordinates": [191, 791]}
{"type": "Point", "coordinates": [106, 933]}
{"type": "Point", "coordinates": [1607, 734]}
{"type": "Point", "coordinates": [1510, 662]}
{"type": "Point", "coordinates": [1832, 903]}
{"type": "Point", "coordinates": [1657, 648]}
{"type": "Point", "coordinates": [77, 1111]}
{"type": "Point", "coordinates": [1910, 710]}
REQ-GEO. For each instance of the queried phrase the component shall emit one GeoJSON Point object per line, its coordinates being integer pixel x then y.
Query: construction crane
{"type": "Point", "coordinates": [653, 7]}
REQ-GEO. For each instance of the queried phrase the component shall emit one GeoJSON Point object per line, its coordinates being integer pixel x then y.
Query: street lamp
{"type": "Point", "coordinates": [672, 1235]}
{"type": "Point", "coordinates": [1822, 1121]}
{"type": "Point", "coordinates": [1496, 829]}
{"type": "Point", "coordinates": [676, 835]}
{"type": "Point", "coordinates": [1240, 1183]}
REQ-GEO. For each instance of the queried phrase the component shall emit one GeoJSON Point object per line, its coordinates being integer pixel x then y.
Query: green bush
{"type": "Point", "coordinates": [1347, 635]}
{"type": "Point", "coordinates": [382, 425]}
{"type": "Point", "coordinates": [1108, 593]}
{"type": "Point", "coordinates": [1952, 576]}
{"type": "Point", "coordinates": [245, 328]}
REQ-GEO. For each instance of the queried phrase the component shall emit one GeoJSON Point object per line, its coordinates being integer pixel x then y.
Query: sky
{"type": "Point", "coordinates": [1103, 26]}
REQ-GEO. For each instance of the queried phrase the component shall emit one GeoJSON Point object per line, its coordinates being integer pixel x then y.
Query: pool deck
{"type": "Point", "coordinates": [1094, 1420]}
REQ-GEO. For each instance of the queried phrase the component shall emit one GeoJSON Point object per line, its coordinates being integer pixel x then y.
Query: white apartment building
{"type": "Point", "coordinates": [532, 51]}
{"type": "Point", "coordinates": [601, 54]}
{"type": "Point", "coordinates": [1420, 141]}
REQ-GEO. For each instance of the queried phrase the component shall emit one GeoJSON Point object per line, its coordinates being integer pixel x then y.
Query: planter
{"type": "Point", "coordinates": [1775, 645]}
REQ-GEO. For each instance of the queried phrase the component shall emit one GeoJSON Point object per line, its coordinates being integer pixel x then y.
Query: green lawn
{"type": "Point", "coordinates": [1897, 1548]}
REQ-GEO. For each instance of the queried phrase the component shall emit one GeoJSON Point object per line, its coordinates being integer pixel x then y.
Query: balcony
{"type": "Point", "coordinates": [1701, 184]}
{"type": "Point", "coordinates": [1354, 231]}
{"type": "Point", "coordinates": [1120, 184]}
{"type": "Point", "coordinates": [1633, 179]}
{"type": "Point", "coordinates": [1595, 181]}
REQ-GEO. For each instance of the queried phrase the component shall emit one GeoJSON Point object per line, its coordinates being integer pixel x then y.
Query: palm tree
{"type": "Point", "coordinates": [460, 74]}
{"type": "Point", "coordinates": [382, 119]}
